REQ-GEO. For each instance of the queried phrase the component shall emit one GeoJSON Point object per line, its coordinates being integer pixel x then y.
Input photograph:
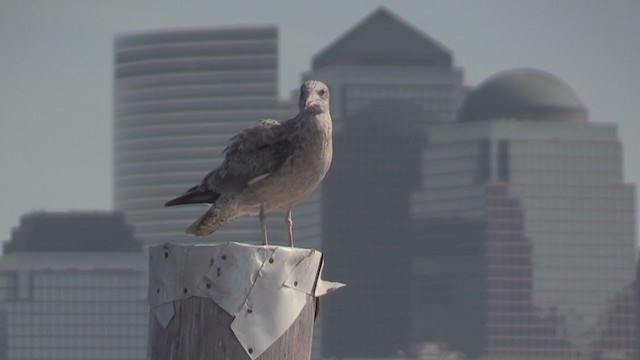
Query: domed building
{"type": "Point", "coordinates": [525, 227]}
{"type": "Point", "coordinates": [523, 94]}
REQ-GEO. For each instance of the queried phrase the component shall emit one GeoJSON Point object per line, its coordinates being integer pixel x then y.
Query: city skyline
{"type": "Point", "coordinates": [56, 92]}
{"type": "Point", "coordinates": [516, 210]}
{"type": "Point", "coordinates": [507, 231]}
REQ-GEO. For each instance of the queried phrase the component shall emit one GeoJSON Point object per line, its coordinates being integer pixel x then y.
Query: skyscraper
{"type": "Point", "coordinates": [388, 80]}
{"type": "Point", "coordinates": [179, 96]}
{"type": "Point", "coordinates": [525, 228]}
{"type": "Point", "coordinates": [72, 287]}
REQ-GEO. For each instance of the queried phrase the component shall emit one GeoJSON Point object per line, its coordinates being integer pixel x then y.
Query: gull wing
{"type": "Point", "coordinates": [252, 155]}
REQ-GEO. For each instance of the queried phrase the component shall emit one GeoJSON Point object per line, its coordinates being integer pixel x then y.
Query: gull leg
{"type": "Point", "coordinates": [263, 225]}
{"type": "Point", "coordinates": [289, 226]}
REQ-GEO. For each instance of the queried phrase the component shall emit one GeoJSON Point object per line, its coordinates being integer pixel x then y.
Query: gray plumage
{"type": "Point", "coordinates": [271, 166]}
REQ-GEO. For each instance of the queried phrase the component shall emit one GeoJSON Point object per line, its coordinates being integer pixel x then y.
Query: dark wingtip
{"type": "Point", "coordinates": [194, 198]}
{"type": "Point", "coordinates": [171, 202]}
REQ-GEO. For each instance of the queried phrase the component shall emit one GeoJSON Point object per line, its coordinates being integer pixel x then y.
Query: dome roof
{"type": "Point", "coordinates": [524, 94]}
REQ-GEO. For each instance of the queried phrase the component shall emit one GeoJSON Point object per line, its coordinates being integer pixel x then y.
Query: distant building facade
{"type": "Point", "coordinates": [366, 231]}
{"type": "Point", "coordinates": [72, 287]}
{"type": "Point", "coordinates": [388, 81]}
{"type": "Point", "coordinates": [180, 94]}
{"type": "Point", "coordinates": [526, 228]}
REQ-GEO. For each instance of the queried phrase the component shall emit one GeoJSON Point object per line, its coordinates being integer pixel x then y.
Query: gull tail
{"type": "Point", "coordinates": [194, 196]}
{"type": "Point", "coordinates": [209, 222]}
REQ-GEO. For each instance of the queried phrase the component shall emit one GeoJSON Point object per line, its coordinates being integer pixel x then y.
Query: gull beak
{"type": "Point", "coordinates": [313, 104]}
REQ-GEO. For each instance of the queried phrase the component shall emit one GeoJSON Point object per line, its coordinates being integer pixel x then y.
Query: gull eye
{"type": "Point", "coordinates": [321, 92]}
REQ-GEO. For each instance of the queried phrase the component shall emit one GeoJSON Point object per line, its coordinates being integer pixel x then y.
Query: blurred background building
{"type": "Point", "coordinates": [525, 227]}
{"type": "Point", "coordinates": [72, 287]}
{"type": "Point", "coordinates": [388, 80]}
{"type": "Point", "coordinates": [180, 94]}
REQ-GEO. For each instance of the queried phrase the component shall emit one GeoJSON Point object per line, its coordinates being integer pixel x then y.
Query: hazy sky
{"type": "Point", "coordinates": [56, 71]}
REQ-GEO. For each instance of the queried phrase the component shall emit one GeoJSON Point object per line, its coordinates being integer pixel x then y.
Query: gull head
{"type": "Point", "coordinates": [314, 97]}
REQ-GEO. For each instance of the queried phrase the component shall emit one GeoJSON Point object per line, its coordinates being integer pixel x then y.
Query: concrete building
{"type": "Point", "coordinates": [388, 80]}
{"type": "Point", "coordinates": [180, 94]}
{"type": "Point", "coordinates": [526, 228]}
{"type": "Point", "coordinates": [72, 287]}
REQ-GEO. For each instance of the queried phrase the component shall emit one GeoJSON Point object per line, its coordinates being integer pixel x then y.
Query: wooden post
{"type": "Point", "coordinates": [201, 330]}
{"type": "Point", "coordinates": [233, 302]}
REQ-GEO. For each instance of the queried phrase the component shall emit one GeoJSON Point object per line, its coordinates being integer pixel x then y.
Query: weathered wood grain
{"type": "Point", "coordinates": [200, 331]}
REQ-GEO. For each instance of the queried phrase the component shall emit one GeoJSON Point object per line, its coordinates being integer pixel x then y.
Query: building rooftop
{"type": "Point", "coordinates": [384, 39]}
{"type": "Point", "coordinates": [194, 35]}
{"type": "Point", "coordinates": [524, 94]}
{"type": "Point", "coordinates": [72, 232]}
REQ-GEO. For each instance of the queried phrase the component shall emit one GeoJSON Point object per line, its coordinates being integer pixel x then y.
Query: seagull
{"type": "Point", "coordinates": [271, 166]}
